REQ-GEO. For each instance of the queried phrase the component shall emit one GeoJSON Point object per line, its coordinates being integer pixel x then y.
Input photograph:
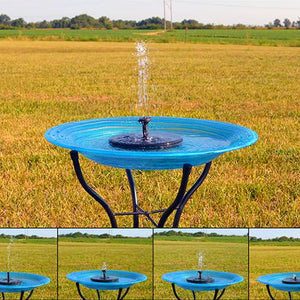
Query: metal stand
{"type": "Point", "coordinates": [21, 295]}
{"type": "Point", "coordinates": [120, 295]}
{"type": "Point", "coordinates": [271, 296]}
{"type": "Point", "coordinates": [178, 204]}
{"type": "Point", "coordinates": [217, 296]}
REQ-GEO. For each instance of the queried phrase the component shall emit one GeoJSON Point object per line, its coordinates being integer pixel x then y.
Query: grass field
{"type": "Point", "coordinates": [211, 36]}
{"type": "Point", "coordinates": [127, 256]}
{"type": "Point", "coordinates": [48, 83]}
{"type": "Point", "coordinates": [179, 255]}
{"type": "Point", "coordinates": [32, 257]}
{"type": "Point", "coordinates": [271, 259]}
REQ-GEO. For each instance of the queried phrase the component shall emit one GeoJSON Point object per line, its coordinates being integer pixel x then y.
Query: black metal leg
{"type": "Point", "coordinates": [90, 191]}
{"type": "Point", "coordinates": [184, 181]}
{"type": "Point", "coordinates": [3, 296]}
{"type": "Point", "coordinates": [134, 198]}
{"type": "Point", "coordinates": [220, 296]}
{"type": "Point", "coordinates": [175, 293]}
{"type": "Point", "coordinates": [21, 296]}
{"type": "Point", "coordinates": [178, 204]}
{"type": "Point", "coordinates": [79, 291]}
{"type": "Point", "coordinates": [189, 194]}
{"type": "Point", "coordinates": [269, 292]}
{"type": "Point", "coordinates": [194, 295]}
{"type": "Point", "coordinates": [120, 296]}
{"type": "Point", "coordinates": [30, 294]}
{"type": "Point", "coordinates": [290, 295]}
{"type": "Point", "coordinates": [98, 294]}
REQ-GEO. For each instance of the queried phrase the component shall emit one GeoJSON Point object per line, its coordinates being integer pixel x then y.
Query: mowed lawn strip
{"type": "Point", "coordinates": [49, 83]}
{"type": "Point", "coordinates": [260, 37]}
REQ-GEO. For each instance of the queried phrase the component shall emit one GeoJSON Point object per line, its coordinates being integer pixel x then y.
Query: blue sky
{"type": "Point", "coordinates": [42, 232]}
{"type": "Point", "coordinates": [256, 12]}
{"type": "Point", "coordinates": [273, 233]}
{"type": "Point", "coordinates": [131, 232]}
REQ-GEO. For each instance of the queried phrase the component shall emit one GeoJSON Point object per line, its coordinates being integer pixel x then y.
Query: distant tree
{"type": "Point", "coordinates": [277, 23]}
{"type": "Point", "coordinates": [84, 21]}
{"type": "Point", "coordinates": [18, 22]}
{"type": "Point", "coordinates": [298, 24]}
{"type": "Point", "coordinates": [5, 19]}
{"type": "Point", "coordinates": [44, 24]}
{"type": "Point", "coordinates": [287, 23]}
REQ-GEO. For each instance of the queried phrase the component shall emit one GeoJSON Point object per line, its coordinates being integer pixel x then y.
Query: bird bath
{"type": "Point", "coordinates": [124, 281]}
{"type": "Point", "coordinates": [218, 282]}
{"type": "Point", "coordinates": [197, 142]}
{"type": "Point", "coordinates": [16, 282]}
{"type": "Point", "coordinates": [287, 282]}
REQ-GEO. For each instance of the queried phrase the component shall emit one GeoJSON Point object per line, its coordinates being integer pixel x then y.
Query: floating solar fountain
{"type": "Point", "coordinates": [164, 143]}
{"type": "Point", "coordinates": [287, 282]}
{"type": "Point", "coordinates": [17, 282]}
{"type": "Point", "coordinates": [104, 277]}
{"type": "Point", "coordinates": [215, 281]}
{"type": "Point", "coordinates": [101, 281]}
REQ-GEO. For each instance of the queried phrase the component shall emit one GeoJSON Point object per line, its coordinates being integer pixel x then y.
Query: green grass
{"type": "Point", "coordinates": [134, 257]}
{"type": "Point", "coordinates": [32, 257]}
{"type": "Point", "coordinates": [44, 84]}
{"type": "Point", "coordinates": [179, 255]}
{"type": "Point", "coordinates": [265, 260]}
{"type": "Point", "coordinates": [211, 36]}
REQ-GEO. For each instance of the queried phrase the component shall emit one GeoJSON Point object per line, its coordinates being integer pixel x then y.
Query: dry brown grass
{"type": "Point", "coordinates": [48, 83]}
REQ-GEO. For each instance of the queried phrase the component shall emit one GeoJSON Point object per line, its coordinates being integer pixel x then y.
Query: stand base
{"type": "Point", "coordinates": [11, 281]}
{"type": "Point", "coordinates": [199, 280]}
{"type": "Point", "coordinates": [136, 141]}
{"type": "Point", "coordinates": [291, 281]}
{"type": "Point", "coordinates": [106, 279]}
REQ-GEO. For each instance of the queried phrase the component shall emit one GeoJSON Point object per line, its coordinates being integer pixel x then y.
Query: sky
{"type": "Point", "coordinates": [252, 12]}
{"type": "Point", "coordinates": [42, 232]}
{"type": "Point", "coordinates": [131, 232]}
{"type": "Point", "coordinates": [273, 233]}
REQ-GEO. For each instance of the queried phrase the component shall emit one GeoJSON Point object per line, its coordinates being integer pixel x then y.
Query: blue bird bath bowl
{"type": "Point", "coordinates": [182, 143]}
{"type": "Point", "coordinates": [126, 279]}
{"type": "Point", "coordinates": [203, 141]}
{"type": "Point", "coordinates": [276, 281]}
{"type": "Point", "coordinates": [221, 280]}
{"type": "Point", "coordinates": [27, 282]}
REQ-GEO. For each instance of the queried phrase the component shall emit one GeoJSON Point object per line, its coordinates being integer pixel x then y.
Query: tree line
{"type": "Point", "coordinates": [189, 234]}
{"type": "Point", "coordinates": [86, 21]}
{"type": "Point", "coordinates": [277, 239]}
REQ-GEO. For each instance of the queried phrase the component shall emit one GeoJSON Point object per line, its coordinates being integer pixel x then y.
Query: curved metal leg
{"type": "Point", "coordinates": [21, 296]}
{"type": "Point", "coordinates": [90, 191]}
{"type": "Point", "coordinates": [189, 194]}
{"type": "Point", "coordinates": [269, 292]}
{"type": "Point", "coordinates": [194, 295]}
{"type": "Point", "coordinates": [134, 198]}
{"type": "Point", "coordinates": [3, 296]}
{"type": "Point", "coordinates": [220, 296]}
{"type": "Point", "coordinates": [98, 294]}
{"type": "Point", "coordinates": [30, 294]}
{"type": "Point", "coordinates": [79, 291]}
{"type": "Point", "coordinates": [180, 195]}
{"type": "Point", "coordinates": [120, 296]}
{"type": "Point", "coordinates": [290, 295]}
{"type": "Point", "coordinates": [175, 293]}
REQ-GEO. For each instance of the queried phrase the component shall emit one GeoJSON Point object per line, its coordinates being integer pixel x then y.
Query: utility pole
{"type": "Point", "coordinates": [171, 14]}
{"type": "Point", "coordinates": [165, 23]}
